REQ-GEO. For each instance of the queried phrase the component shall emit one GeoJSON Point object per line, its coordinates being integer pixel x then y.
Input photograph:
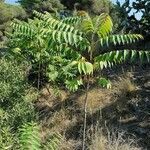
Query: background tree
{"type": "Point", "coordinates": [131, 22]}
{"type": "Point", "coordinates": [7, 13]}
{"type": "Point", "coordinates": [92, 6]}
{"type": "Point", "coordinates": [44, 5]}
{"type": "Point", "coordinates": [134, 17]}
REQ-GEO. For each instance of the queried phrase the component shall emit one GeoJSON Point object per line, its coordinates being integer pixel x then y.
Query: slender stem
{"type": "Point", "coordinates": [86, 96]}
{"type": "Point", "coordinates": [92, 47]}
{"type": "Point", "coordinates": [85, 116]}
{"type": "Point", "coordinates": [39, 76]}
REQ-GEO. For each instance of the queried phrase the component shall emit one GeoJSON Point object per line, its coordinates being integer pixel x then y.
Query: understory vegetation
{"type": "Point", "coordinates": [73, 78]}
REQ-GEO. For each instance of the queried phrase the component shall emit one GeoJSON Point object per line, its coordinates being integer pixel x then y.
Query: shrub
{"type": "Point", "coordinates": [14, 107]}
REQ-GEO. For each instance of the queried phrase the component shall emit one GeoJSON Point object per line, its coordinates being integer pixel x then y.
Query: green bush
{"type": "Point", "coordinates": [15, 106]}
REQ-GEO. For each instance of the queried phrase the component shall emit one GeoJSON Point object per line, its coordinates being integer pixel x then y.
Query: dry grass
{"type": "Point", "coordinates": [115, 141]}
{"type": "Point", "coordinates": [46, 97]}
{"type": "Point", "coordinates": [58, 122]}
{"type": "Point", "coordinates": [69, 144]}
{"type": "Point", "coordinates": [57, 141]}
{"type": "Point", "coordinates": [50, 97]}
{"type": "Point", "coordinates": [124, 86]}
{"type": "Point", "coordinates": [61, 119]}
{"type": "Point", "coordinates": [97, 98]}
{"type": "Point", "coordinates": [100, 98]}
{"type": "Point", "coordinates": [123, 90]}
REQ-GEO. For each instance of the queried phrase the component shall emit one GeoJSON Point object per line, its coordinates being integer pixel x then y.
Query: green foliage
{"type": "Point", "coordinates": [7, 13]}
{"type": "Point", "coordinates": [15, 106]}
{"type": "Point", "coordinates": [62, 54]}
{"type": "Point", "coordinates": [7, 139]}
{"type": "Point", "coordinates": [85, 67]}
{"type": "Point", "coordinates": [15, 101]}
{"type": "Point", "coordinates": [45, 5]}
{"type": "Point", "coordinates": [112, 58]}
{"type": "Point", "coordinates": [101, 6]}
{"type": "Point", "coordinates": [120, 39]}
{"type": "Point", "coordinates": [131, 22]}
{"type": "Point", "coordinates": [68, 53]}
{"type": "Point", "coordinates": [103, 82]}
{"type": "Point", "coordinates": [72, 20]}
{"type": "Point", "coordinates": [29, 137]}
{"type": "Point", "coordinates": [52, 142]}
{"type": "Point", "coordinates": [92, 6]}
{"type": "Point", "coordinates": [45, 50]}
{"type": "Point", "coordinates": [73, 85]}
{"type": "Point", "coordinates": [102, 26]}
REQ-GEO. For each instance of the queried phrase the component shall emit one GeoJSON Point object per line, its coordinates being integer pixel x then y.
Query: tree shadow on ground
{"type": "Point", "coordinates": [133, 118]}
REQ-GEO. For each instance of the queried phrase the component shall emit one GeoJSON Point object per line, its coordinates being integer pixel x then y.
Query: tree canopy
{"type": "Point", "coordinates": [44, 5]}
{"type": "Point", "coordinates": [93, 6]}
{"type": "Point", "coordinates": [131, 22]}
{"type": "Point", "coordinates": [7, 13]}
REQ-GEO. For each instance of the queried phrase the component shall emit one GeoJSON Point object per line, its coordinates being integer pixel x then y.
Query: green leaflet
{"type": "Point", "coordinates": [21, 29]}
{"type": "Point", "coordinates": [120, 39]}
{"type": "Point", "coordinates": [73, 84]}
{"type": "Point", "coordinates": [29, 137]}
{"type": "Point", "coordinates": [67, 37]}
{"type": "Point", "coordinates": [114, 57]}
{"type": "Point", "coordinates": [103, 82]}
{"type": "Point", "coordinates": [147, 54]}
{"type": "Point", "coordinates": [141, 55]}
{"type": "Point", "coordinates": [80, 67]}
{"type": "Point", "coordinates": [52, 75]}
{"type": "Point", "coordinates": [85, 67]}
{"type": "Point", "coordinates": [105, 26]}
{"type": "Point", "coordinates": [125, 54]}
{"type": "Point", "coordinates": [87, 24]}
{"type": "Point", "coordinates": [133, 55]}
{"type": "Point", "coordinates": [56, 24]}
{"type": "Point", "coordinates": [72, 20]}
{"type": "Point", "coordinates": [89, 68]}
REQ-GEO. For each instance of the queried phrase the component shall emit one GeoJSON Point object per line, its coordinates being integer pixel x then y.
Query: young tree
{"type": "Point", "coordinates": [73, 56]}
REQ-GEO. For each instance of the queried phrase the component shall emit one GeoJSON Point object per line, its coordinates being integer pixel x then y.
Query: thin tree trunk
{"type": "Point", "coordinates": [39, 76]}
{"type": "Point", "coordinates": [85, 116]}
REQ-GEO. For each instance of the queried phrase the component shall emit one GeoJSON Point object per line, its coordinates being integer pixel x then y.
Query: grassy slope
{"type": "Point", "coordinates": [123, 108]}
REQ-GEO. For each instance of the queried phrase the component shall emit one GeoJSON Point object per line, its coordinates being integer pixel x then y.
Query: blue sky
{"type": "Point", "coordinates": [10, 1]}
